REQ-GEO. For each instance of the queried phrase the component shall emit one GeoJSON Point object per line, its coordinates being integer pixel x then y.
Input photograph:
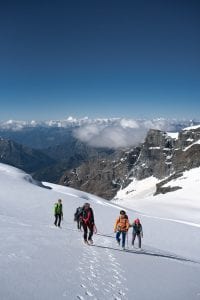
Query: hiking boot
{"type": "Point", "coordinates": [90, 241]}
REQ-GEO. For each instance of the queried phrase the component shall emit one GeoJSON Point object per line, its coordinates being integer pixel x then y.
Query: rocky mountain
{"type": "Point", "coordinates": [62, 158]}
{"type": "Point", "coordinates": [103, 176]}
{"type": "Point", "coordinates": [166, 157]}
{"type": "Point", "coordinates": [68, 156]}
{"type": "Point", "coordinates": [23, 157]}
{"type": "Point", "coordinates": [40, 137]}
{"type": "Point", "coordinates": [162, 155]}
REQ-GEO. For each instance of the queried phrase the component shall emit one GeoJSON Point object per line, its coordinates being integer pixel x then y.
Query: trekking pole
{"type": "Point", "coordinates": [127, 239]}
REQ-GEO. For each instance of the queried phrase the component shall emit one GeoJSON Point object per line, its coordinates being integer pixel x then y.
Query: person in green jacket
{"type": "Point", "coordinates": [58, 213]}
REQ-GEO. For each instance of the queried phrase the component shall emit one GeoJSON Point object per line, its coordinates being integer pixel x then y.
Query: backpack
{"type": "Point", "coordinates": [137, 228]}
{"type": "Point", "coordinates": [78, 213]}
{"type": "Point", "coordinates": [85, 214]}
{"type": "Point", "coordinates": [122, 223]}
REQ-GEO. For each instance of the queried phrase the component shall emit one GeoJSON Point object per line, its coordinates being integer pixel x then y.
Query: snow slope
{"type": "Point", "coordinates": [180, 205]}
{"type": "Point", "coordinates": [40, 261]}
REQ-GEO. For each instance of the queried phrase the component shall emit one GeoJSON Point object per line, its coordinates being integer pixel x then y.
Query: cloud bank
{"type": "Point", "coordinates": [108, 132]}
{"type": "Point", "coordinates": [121, 132]}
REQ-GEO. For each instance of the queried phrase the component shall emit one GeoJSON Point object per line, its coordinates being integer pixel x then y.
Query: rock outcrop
{"type": "Point", "coordinates": [23, 157]}
{"type": "Point", "coordinates": [102, 176]}
{"type": "Point", "coordinates": [161, 155]}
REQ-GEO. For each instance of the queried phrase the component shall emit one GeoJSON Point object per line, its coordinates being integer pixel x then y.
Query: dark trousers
{"type": "Point", "coordinates": [123, 237]}
{"type": "Point", "coordinates": [85, 229]}
{"type": "Point", "coordinates": [139, 239]}
{"type": "Point", "coordinates": [58, 218]}
{"type": "Point", "coordinates": [79, 224]}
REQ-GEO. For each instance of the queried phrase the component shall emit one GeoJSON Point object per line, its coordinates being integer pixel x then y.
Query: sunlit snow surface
{"type": "Point", "coordinates": [181, 205]}
{"type": "Point", "coordinates": [40, 261]}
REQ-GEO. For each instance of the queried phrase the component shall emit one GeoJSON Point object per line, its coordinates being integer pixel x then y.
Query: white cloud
{"type": "Point", "coordinates": [119, 133]}
{"type": "Point", "coordinates": [110, 132]}
{"type": "Point", "coordinates": [127, 123]}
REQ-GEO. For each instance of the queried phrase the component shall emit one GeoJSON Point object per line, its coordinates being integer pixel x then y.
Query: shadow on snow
{"type": "Point", "coordinates": [148, 253]}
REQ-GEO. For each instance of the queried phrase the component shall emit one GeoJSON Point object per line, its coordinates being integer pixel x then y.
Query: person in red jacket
{"type": "Point", "coordinates": [88, 223]}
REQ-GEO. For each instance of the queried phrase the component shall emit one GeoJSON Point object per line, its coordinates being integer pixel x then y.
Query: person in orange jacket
{"type": "Point", "coordinates": [121, 228]}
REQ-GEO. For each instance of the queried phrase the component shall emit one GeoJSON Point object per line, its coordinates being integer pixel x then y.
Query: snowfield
{"type": "Point", "coordinates": [39, 261]}
{"type": "Point", "coordinates": [182, 205]}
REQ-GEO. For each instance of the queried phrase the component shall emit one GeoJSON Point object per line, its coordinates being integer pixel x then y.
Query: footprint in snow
{"type": "Point", "coordinates": [112, 284]}
{"type": "Point", "coordinates": [88, 293]}
{"type": "Point", "coordinates": [115, 264]}
{"type": "Point", "coordinates": [121, 293]}
{"type": "Point", "coordinates": [91, 261]}
{"type": "Point", "coordinates": [80, 297]}
{"type": "Point", "coordinates": [116, 298]}
{"type": "Point", "coordinates": [12, 255]}
{"type": "Point", "coordinates": [90, 279]}
{"type": "Point", "coordinates": [115, 271]}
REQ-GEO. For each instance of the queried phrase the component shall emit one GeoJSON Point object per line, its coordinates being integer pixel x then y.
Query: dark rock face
{"type": "Point", "coordinates": [38, 137]}
{"type": "Point", "coordinates": [187, 153]}
{"type": "Point", "coordinates": [155, 157]}
{"type": "Point", "coordinates": [22, 157]}
{"type": "Point", "coordinates": [161, 156]}
{"type": "Point", "coordinates": [160, 189]}
{"type": "Point", "coordinates": [68, 156]}
{"type": "Point", "coordinates": [102, 176]}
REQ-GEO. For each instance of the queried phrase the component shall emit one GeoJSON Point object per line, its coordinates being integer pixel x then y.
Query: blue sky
{"type": "Point", "coordinates": [99, 59]}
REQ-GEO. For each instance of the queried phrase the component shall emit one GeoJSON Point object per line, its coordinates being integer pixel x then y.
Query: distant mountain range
{"type": "Point", "coordinates": [158, 123]}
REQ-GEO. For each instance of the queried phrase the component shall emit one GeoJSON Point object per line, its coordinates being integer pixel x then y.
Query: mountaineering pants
{"type": "Point", "coordinates": [85, 229]}
{"type": "Point", "coordinates": [139, 239]}
{"type": "Point", "coordinates": [58, 218]}
{"type": "Point", "coordinates": [123, 237]}
{"type": "Point", "coordinates": [79, 223]}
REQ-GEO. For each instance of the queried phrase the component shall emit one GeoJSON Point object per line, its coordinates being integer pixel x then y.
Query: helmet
{"type": "Point", "coordinates": [137, 221]}
{"type": "Point", "coordinates": [122, 212]}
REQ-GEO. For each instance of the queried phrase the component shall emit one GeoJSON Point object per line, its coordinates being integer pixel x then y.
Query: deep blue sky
{"type": "Point", "coordinates": [99, 59]}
